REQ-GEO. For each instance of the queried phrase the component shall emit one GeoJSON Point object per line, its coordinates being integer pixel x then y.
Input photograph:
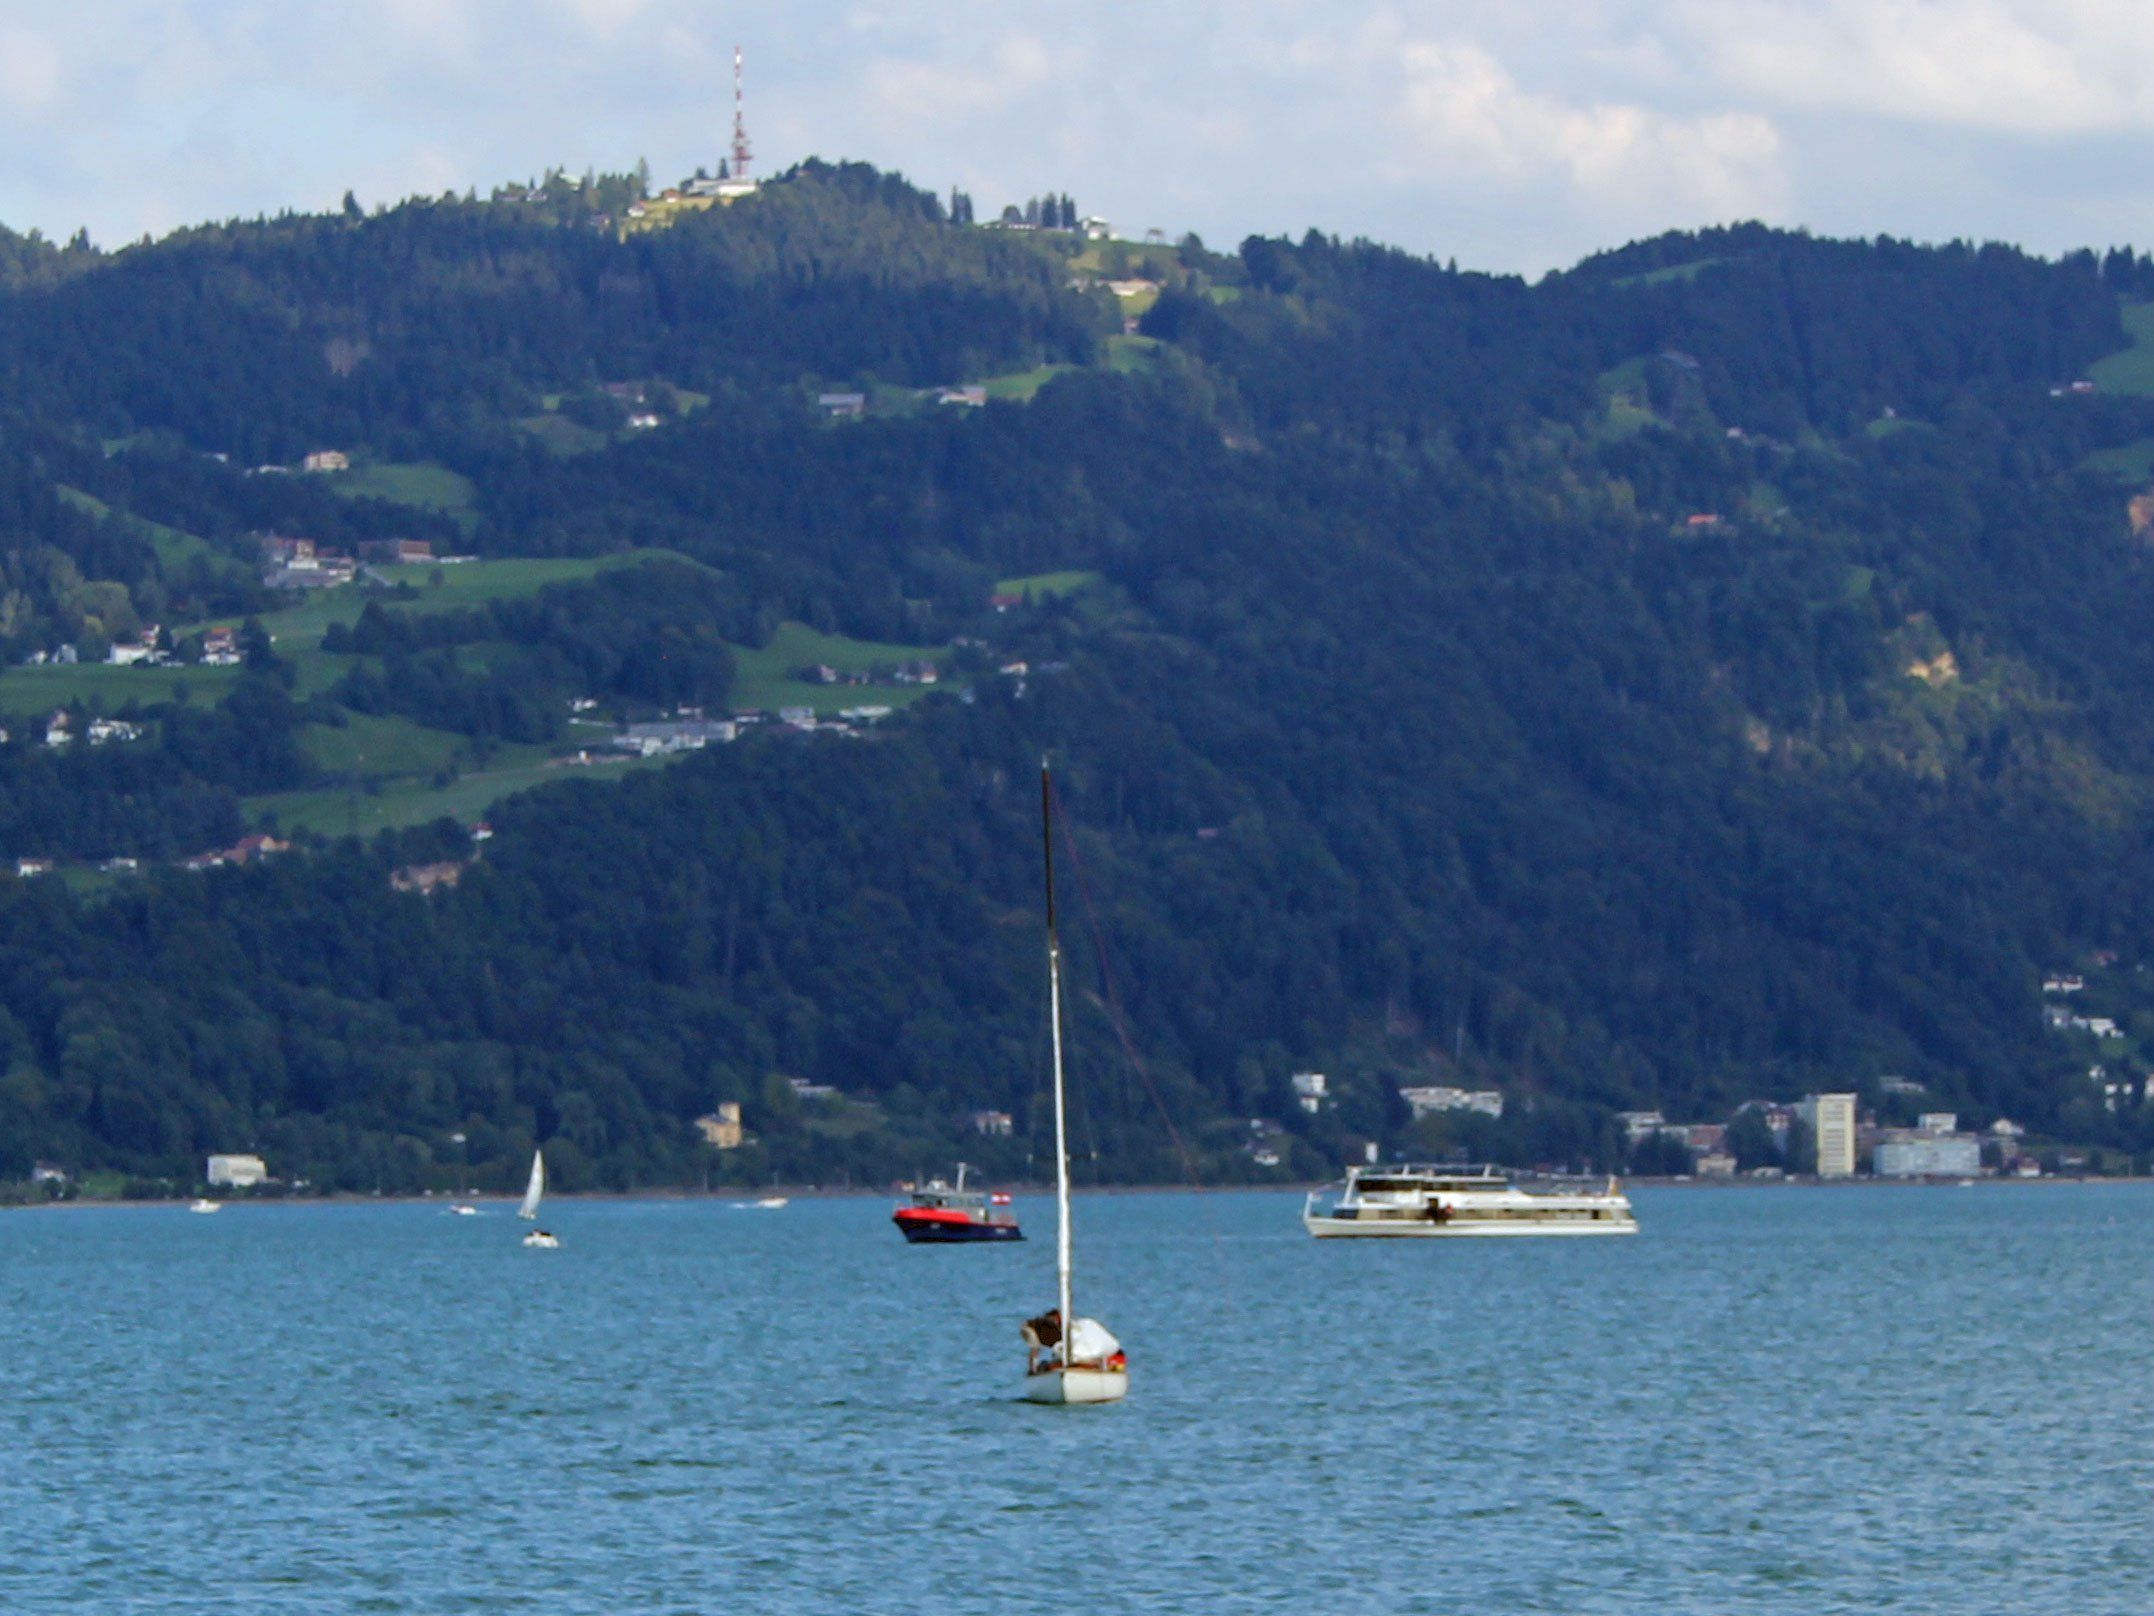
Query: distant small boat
{"type": "Point", "coordinates": [203, 1205]}
{"type": "Point", "coordinates": [535, 1192]}
{"type": "Point", "coordinates": [941, 1215]}
{"type": "Point", "coordinates": [769, 1203]}
{"type": "Point", "coordinates": [463, 1211]}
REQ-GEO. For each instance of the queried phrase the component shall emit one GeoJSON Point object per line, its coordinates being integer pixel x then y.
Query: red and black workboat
{"type": "Point", "coordinates": [949, 1215]}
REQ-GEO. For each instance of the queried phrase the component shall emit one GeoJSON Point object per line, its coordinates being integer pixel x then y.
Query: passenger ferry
{"type": "Point", "coordinates": [941, 1215]}
{"type": "Point", "coordinates": [1459, 1201]}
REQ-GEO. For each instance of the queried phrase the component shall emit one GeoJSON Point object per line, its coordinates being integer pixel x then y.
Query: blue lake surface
{"type": "Point", "coordinates": [1793, 1400]}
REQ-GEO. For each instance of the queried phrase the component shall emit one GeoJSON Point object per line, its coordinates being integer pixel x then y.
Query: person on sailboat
{"type": "Point", "coordinates": [1043, 1334]}
{"type": "Point", "coordinates": [1089, 1344]}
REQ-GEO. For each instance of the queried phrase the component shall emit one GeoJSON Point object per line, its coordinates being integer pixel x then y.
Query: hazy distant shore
{"type": "Point", "coordinates": [826, 1192]}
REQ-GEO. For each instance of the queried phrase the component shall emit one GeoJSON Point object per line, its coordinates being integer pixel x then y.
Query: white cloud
{"type": "Point", "coordinates": [907, 90]}
{"type": "Point", "coordinates": [31, 75]}
{"type": "Point", "coordinates": [1466, 117]}
{"type": "Point", "coordinates": [606, 18]}
{"type": "Point", "coordinates": [2054, 67]}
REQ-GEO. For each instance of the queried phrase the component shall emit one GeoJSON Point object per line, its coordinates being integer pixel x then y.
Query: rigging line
{"type": "Point", "coordinates": [1223, 1272]}
{"type": "Point", "coordinates": [1112, 1003]}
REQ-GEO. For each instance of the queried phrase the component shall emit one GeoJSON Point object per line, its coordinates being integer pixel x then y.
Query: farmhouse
{"type": "Point", "coordinates": [426, 879]}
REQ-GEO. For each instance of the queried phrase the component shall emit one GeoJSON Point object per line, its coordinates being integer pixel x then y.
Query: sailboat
{"type": "Point", "coordinates": [1089, 1365]}
{"type": "Point", "coordinates": [535, 1192]}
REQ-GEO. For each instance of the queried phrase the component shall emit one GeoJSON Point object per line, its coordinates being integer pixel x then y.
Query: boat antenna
{"type": "Point", "coordinates": [1054, 1013]}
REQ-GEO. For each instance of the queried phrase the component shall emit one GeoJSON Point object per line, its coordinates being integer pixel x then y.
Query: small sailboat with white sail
{"type": "Point", "coordinates": [535, 1192]}
{"type": "Point", "coordinates": [1088, 1364]}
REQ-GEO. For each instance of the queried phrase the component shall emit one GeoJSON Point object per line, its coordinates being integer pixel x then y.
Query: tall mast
{"type": "Point", "coordinates": [1054, 1008]}
{"type": "Point", "coordinates": [741, 153]}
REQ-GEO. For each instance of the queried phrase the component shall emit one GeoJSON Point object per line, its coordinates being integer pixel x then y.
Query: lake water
{"type": "Point", "coordinates": [1787, 1401]}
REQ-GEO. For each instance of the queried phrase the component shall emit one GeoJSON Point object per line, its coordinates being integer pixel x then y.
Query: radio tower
{"type": "Point", "coordinates": [741, 153]}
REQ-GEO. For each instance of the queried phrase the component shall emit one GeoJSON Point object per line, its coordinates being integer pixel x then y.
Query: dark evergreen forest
{"type": "Point", "coordinates": [1720, 671]}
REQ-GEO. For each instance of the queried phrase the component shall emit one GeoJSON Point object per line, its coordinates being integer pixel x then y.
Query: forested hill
{"type": "Point", "coordinates": [1717, 672]}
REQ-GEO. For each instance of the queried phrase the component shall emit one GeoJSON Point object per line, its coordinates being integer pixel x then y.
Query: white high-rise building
{"type": "Point", "coordinates": [1831, 1120]}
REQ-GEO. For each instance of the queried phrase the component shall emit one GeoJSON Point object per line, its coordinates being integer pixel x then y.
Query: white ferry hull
{"type": "Point", "coordinates": [1477, 1203]}
{"type": "Point", "coordinates": [1077, 1386]}
{"type": "Point", "coordinates": [1424, 1229]}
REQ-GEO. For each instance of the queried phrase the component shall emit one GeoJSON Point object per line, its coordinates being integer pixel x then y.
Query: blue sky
{"type": "Point", "coordinates": [1508, 135]}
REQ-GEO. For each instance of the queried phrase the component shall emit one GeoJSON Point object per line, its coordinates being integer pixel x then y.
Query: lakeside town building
{"type": "Point", "coordinates": [237, 1172]}
{"type": "Point", "coordinates": [1831, 1120]}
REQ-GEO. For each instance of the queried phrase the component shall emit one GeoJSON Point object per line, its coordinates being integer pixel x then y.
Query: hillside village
{"type": "Point", "coordinates": [329, 586]}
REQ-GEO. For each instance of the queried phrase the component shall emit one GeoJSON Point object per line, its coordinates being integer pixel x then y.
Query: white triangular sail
{"type": "Point", "coordinates": [535, 1191]}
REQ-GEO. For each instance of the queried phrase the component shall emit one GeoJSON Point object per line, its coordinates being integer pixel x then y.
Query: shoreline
{"type": "Point", "coordinates": [824, 1192]}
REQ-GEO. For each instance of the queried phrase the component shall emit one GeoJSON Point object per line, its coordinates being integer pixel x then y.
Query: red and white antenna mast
{"type": "Point", "coordinates": [741, 153]}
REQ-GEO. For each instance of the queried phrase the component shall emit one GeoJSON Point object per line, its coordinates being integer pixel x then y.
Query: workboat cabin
{"type": "Point", "coordinates": [949, 1214]}
{"type": "Point", "coordinates": [1425, 1201]}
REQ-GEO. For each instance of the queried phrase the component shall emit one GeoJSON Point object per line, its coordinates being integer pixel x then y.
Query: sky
{"type": "Point", "coordinates": [1510, 136]}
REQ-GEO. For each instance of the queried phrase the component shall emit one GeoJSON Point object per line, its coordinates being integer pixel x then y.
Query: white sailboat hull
{"type": "Point", "coordinates": [1077, 1386]}
{"type": "Point", "coordinates": [1401, 1229]}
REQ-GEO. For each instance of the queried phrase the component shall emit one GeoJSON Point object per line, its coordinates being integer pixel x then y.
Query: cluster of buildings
{"type": "Point", "coordinates": [1844, 1138]}
{"type": "Point", "coordinates": [295, 563]}
{"type": "Point", "coordinates": [851, 406]}
{"type": "Point", "coordinates": [2063, 1018]}
{"type": "Point", "coordinates": [60, 730]}
{"type": "Point", "coordinates": [1707, 1142]}
{"type": "Point", "coordinates": [244, 851]}
{"type": "Point", "coordinates": [2119, 1090]}
{"type": "Point", "coordinates": [690, 196]}
{"type": "Point", "coordinates": [690, 731]}
{"type": "Point", "coordinates": [1431, 1099]}
{"type": "Point", "coordinates": [289, 563]}
{"type": "Point", "coordinates": [145, 649]}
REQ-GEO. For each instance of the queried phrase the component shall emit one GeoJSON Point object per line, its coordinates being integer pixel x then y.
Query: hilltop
{"type": "Point", "coordinates": [1712, 673]}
